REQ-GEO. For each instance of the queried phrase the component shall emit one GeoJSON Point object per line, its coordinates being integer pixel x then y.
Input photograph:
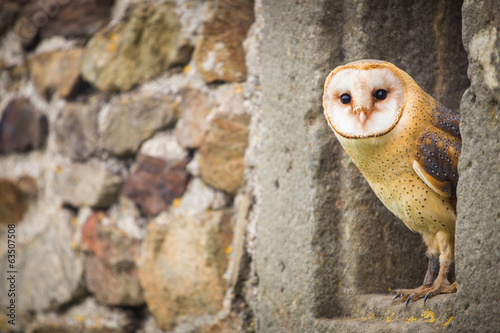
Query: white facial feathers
{"type": "Point", "coordinates": [364, 115]}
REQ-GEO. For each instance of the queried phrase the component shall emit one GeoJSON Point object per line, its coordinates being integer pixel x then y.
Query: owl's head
{"type": "Point", "coordinates": [364, 98]}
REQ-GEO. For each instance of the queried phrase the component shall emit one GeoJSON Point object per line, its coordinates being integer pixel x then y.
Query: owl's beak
{"type": "Point", "coordinates": [363, 115]}
{"type": "Point", "coordinates": [362, 118]}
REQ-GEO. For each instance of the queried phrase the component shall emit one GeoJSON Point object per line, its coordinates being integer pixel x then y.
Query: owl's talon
{"type": "Point", "coordinates": [426, 297]}
{"type": "Point", "coordinates": [408, 301]}
{"type": "Point", "coordinates": [397, 296]}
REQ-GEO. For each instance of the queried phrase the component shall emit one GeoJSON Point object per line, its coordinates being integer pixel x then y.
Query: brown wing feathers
{"type": "Point", "coordinates": [437, 152]}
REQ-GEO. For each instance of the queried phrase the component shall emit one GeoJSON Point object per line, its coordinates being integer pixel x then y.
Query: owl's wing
{"type": "Point", "coordinates": [437, 152]}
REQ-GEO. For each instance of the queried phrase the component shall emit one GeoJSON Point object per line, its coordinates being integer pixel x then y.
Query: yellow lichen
{"type": "Point", "coordinates": [389, 319]}
{"type": "Point", "coordinates": [100, 216]}
{"type": "Point", "coordinates": [449, 321]}
{"type": "Point", "coordinates": [59, 169]}
{"type": "Point", "coordinates": [187, 68]}
{"type": "Point", "coordinates": [79, 319]}
{"type": "Point", "coordinates": [113, 45]}
{"type": "Point", "coordinates": [429, 316]}
{"type": "Point", "coordinates": [411, 320]}
{"type": "Point", "coordinates": [369, 316]}
{"type": "Point", "coordinates": [98, 323]}
{"type": "Point", "coordinates": [238, 89]}
{"type": "Point", "coordinates": [176, 202]}
{"type": "Point", "coordinates": [74, 245]}
{"type": "Point", "coordinates": [228, 250]}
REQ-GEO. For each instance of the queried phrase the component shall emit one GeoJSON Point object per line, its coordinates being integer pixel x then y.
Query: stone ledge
{"type": "Point", "coordinates": [378, 313]}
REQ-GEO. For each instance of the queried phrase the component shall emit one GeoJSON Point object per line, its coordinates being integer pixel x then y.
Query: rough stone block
{"type": "Point", "coordinates": [183, 265]}
{"type": "Point", "coordinates": [87, 316]}
{"type": "Point", "coordinates": [62, 18]}
{"type": "Point", "coordinates": [130, 120]}
{"type": "Point", "coordinates": [76, 130]}
{"type": "Point", "coordinates": [192, 125]}
{"type": "Point", "coordinates": [49, 271]}
{"type": "Point", "coordinates": [9, 10]}
{"type": "Point", "coordinates": [14, 198]}
{"type": "Point", "coordinates": [56, 71]}
{"type": "Point", "coordinates": [145, 44]}
{"type": "Point", "coordinates": [110, 264]}
{"type": "Point", "coordinates": [22, 127]}
{"type": "Point", "coordinates": [164, 145]}
{"type": "Point", "coordinates": [219, 54]}
{"type": "Point", "coordinates": [87, 184]}
{"type": "Point", "coordinates": [222, 154]}
{"type": "Point", "coordinates": [155, 184]}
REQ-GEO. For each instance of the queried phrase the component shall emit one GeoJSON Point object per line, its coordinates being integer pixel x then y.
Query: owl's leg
{"type": "Point", "coordinates": [432, 270]}
{"type": "Point", "coordinates": [446, 243]}
{"type": "Point", "coordinates": [441, 285]}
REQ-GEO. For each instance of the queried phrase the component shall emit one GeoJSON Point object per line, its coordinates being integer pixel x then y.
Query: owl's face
{"type": "Point", "coordinates": [363, 99]}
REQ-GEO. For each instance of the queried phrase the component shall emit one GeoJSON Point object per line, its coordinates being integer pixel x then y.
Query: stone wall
{"type": "Point", "coordinates": [168, 168]}
{"type": "Point", "coordinates": [123, 132]}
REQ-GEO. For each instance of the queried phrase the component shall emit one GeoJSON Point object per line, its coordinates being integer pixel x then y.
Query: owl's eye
{"type": "Point", "coordinates": [345, 98]}
{"type": "Point", "coordinates": [380, 94]}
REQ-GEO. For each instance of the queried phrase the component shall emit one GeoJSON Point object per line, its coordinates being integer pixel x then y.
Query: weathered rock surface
{"type": "Point", "coordinates": [199, 198]}
{"type": "Point", "coordinates": [76, 130]}
{"type": "Point", "coordinates": [229, 99]}
{"type": "Point", "coordinates": [222, 154]}
{"type": "Point", "coordinates": [22, 127]}
{"type": "Point", "coordinates": [192, 125]}
{"type": "Point", "coordinates": [110, 269]}
{"type": "Point", "coordinates": [9, 10]}
{"type": "Point", "coordinates": [130, 120]}
{"type": "Point", "coordinates": [14, 198]}
{"type": "Point", "coordinates": [165, 146]}
{"type": "Point", "coordinates": [56, 71]}
{"type": "Point", "coordinates": [183, 265]}
{"type": "Point", "coordinates": [478, 225]}
{"type": "Point", "coordinates": [155, 184]}
{"type": "Point", "coordinates": [89, 316]}
{"type": "Point", "coordinates": [62, 18]}
{"type": "Point", "coordinates": [40, 287]}
{"type": "Point", "coordinates": [219, 53]}
{"type": "Point", "coordinates": [125, 216]}
{"type": "Point", "coordinates": [147, 43]}
{"type": "Point", "coordinates": [87, 184]}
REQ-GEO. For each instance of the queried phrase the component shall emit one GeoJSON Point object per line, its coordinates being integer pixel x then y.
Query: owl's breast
{"type": "Point", "coordinates": [387, 164]}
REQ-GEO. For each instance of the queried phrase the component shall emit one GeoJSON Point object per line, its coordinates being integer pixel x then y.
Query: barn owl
{"type": "Point", "coordinates": [407, 146]}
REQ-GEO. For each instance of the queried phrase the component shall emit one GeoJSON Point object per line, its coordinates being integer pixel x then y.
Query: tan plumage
{"type": "Point", "coordinates": [407, 146]}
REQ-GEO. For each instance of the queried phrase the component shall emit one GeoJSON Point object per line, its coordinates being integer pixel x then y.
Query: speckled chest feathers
{"type": "Point", "coordinates": [405, 143]}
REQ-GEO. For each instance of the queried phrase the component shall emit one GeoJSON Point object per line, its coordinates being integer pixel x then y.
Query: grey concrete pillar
{"type": "Point", "coordinates": [477, 306]}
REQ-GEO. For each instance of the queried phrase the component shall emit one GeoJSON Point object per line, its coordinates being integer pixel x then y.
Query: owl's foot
{"type": "Point", "coordinates": [412, 294]}
{"type": "Point", "coordinates": [442, 289]}
{"type": "Point", "coordinates": [426, 291]}
{"type": "Point", "coordinates": [440, 286]}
